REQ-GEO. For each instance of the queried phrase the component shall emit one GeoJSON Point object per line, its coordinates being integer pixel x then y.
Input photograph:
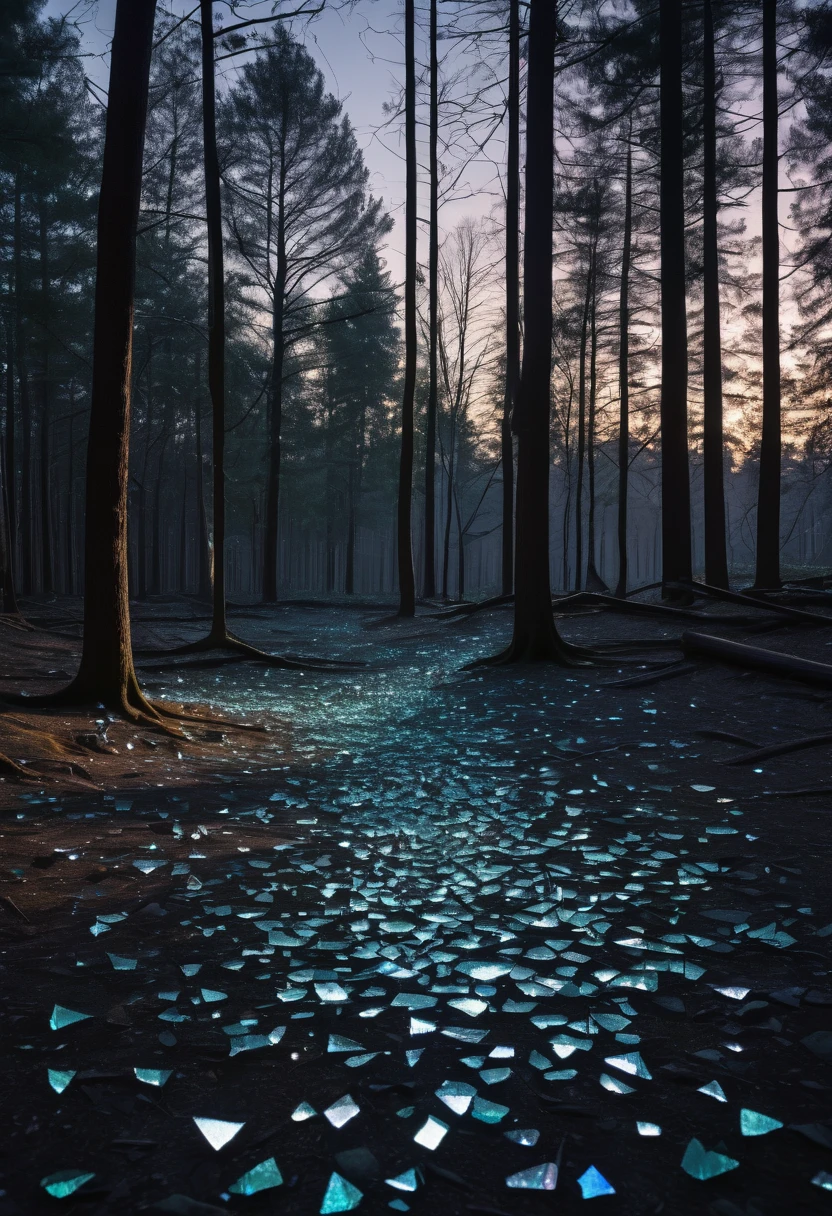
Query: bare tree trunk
{"type": "Point", "coordinates": [512, 272]}
{"type": "Point", "coordinates": [47, 576]}
{"type": "Point", "coordinates": [407, 588]}
{"type": "Point", "coordinates": [594, 582]}
{"type": "Point", "coordinates": [106, 673]}
{"type": "Point", "coordinates": [9, 453]}
{"type": "Point", "coordinates": [275, 422]}
{"type": "Point", "coordinates": [716, 556]}
{"type": "Point", "coordinates": [429, 578]}
{"type": "Point", "coordinates": [446, 553]}
{"type": "Point", "coordinates": [26, 572]}
{"type": "Point", "coordinates": [768, 502]}
{"type": "Point", "coordinates": [205, 574]}
{"type": "Point", "coordinates": [579, 489]}
{"type": "Point", "coordinates": [535, 636]}
{"type": "Point", "coordinates": [69, 533]}
{"type": "Point", "coordinates": [216, 317]}
{"type": "Point", "coordinates": [624, 374]}
{"type": "Point", "coordinates": [676, 524]}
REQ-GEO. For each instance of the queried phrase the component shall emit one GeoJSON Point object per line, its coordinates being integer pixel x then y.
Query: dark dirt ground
{"type": "Point", "coordinates": [503, 802]}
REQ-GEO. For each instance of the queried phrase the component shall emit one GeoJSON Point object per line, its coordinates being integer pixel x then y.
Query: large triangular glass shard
{"type": "Point", "coordinates": [260, 1178]}
{"type": "Point", "coordinates": [64, 1183]}
{"type": "Point", "coordinates": [340, 1196]}
{"type": "Point", "coordinates": [59, 1079]}
{"type": "Point", "coordinates": [217, 1132]}
{"type": "Point", "coordinates": [752, 1123]}
{"type": "Point", "coordinates": [153, 1076]}
{"type": "Point", "coordinates": [62, 1017]}
{"type": "Point", "coordinates": [408, 1181]}
{"type": "Point", "coordinates": [456, 1095]}
{"type": "Point", "coordinates": [614, 1085]}
{"type": "Point", "coordinates": [338, 1042]}
{"type": "Point", "coordinates": [630, 1063]}
{"type": "Point", "coordinates": [702, 1164]}
{"type": "Point", "coordinates": [593, 1184]}
{"type": "Point", "coordinates": [823, 1180]}
{"type": "Point", "coordinates": [302, 1112]}
{"type": "Point", "coordinates": [537, 1178]}
{"type": "Point", "coordinates": [713, 1090]}
{"type": "Point", "coordinates": [341, 1112]}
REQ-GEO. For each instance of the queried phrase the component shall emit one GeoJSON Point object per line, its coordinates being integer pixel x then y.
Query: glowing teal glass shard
{"type": "Point", "coordinates": [408, 1181]}
{"type": "Point", "coordinates": [470, 1005]}
{"type": "Point", "coordinates": [610, 1021]}
{"type": "Point", "coordinates": [420, 1026]}
{"type": "Point", "coordinates": [147, 867]}
{"type": "Point", "coordinates": [413, 1056]}
{"type": "Point", "coordinates": [614, 1085]}
{"type": "Point", "coordinates": [399, 1205]}
{"type": "Point", "coordinates": [713, 1090]}
{"type": "Point", "coordinates": [593, 1184]}
{"type": "Point", "coordinates": [337, 1042]}
{"type": "Point", "coordinates": [631, 1063]}
{"type": "Point", "coordinates": [484, 971]}
{"type": "Point", "coordinates": [527, 1136]}
{"type": "Point", "coordinates": [340, 1196]}
{"type": "Point", "coordinates": [260, 1178]}
{"type": "Point", "coordinates": [62, 1017]}
{"type": "Point", "coordinates": [823, 1180]}
{"type": "Point", "coordinates": [58, 1079]}
{"type": "Point", "coordinates": [218, 1132]}
{"type": "Point", "coordinates": [464, 1035]}
{"type": "Point", "coordinates": [302, 1112]}
{"type": "Point", "coordinates": [648, 1129]}
{"type": "Point", "coordinates": [493, 1076]}
{"type": "Point", "coordinates": [456, 1095]}
{"type": "Point", "coordinates": [360, 1061]}
{"type": "Point", "coordinates": [488, 1112]}
{"type": "Point", "coordinates": [212, 995]}
{"type": "Point", "coordinates": [561, 1074]}
{"type": "Point", "coordinates": [413, 1000]}
{"type": "Point", "coordinates": [97, 929]}
{"type": "Point", "coordinates": [190, 969]}
{"type": "Point", "coordinates": [342, 1111]}
{"type": "Point", "coordinates": [331, 993]}
{"type": "Point", "coordinates": [702, 1164]}
{"type": "Point", "coordinates": [122, 964]}
{"type": "Point", "coordinates": [538, 1061]}
{"type": "Point", "coordinates": [538, 1178]}
{"type": "Point", "coordinates": [431, 1133]}
{"type": "Point", "coordinates": [405, 1112]}
{"type": "Point", "coordinates": [64, 1183]}
{"type": "Point", "coordinates": [752, 1123]}
{"type": "Point", "coordinates": [247, 1042]}
{"type": "Point", "coordinates": [153, 1076]}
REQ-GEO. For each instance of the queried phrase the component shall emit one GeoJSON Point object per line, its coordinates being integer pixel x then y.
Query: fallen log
{"type": "Point", "coordinates": [754, 658]}
{"type": "Point", "coordinates": [781, 749]}
{"type": "Point", "coordinates": [746, 598]}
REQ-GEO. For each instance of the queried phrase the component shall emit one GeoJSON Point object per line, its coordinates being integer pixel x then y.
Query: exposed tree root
{"type": "Point", "coordinates": [669, 672]}
{"type": "Point", "coordinates": [812, 792]}
{"type": "Point", "coordinates": [789, 666]}
{"type": "Point", "coordinates": [724, 736]}
{"type": "Point", "coordinates": [704, 591]}
{"type": "Point", "coordinates": [781, 749]}
{"type": "Point", "coordinates": [10, 768]}
{"type": "Point", "coordinates": [248, 652]}
{"type": "Point", "coordinates": [15, 621]}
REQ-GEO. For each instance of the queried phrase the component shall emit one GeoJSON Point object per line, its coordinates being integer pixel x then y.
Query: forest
{"type": "Point", "coordinates": [415, 457]}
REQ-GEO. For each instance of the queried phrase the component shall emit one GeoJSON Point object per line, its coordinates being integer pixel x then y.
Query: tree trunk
{"type": "Point", "coordinates": [47, 576]}
{"type": "Point", "coordinates": [26, 579]}
{"type": "Point", "coordinates": [429, 578]}
{"type": "Point", "coordinates": [106, 672]}
{"type": "Point", "coordinates": [205, 574]}
{"type": "Point", "coordinates": [407, 588]}
{"type": "Point", "coordinates": [512, 272]}
{"type": "Point", "coordinates": [675, 477]}
{"type": "Point", "coordinates": [768, 502]}
{"type": "Point", "coordinates": [216, 317]}
{"type": "Point", "coordinates": [9, 453]}
{"type": "Point", "coordinates": [624, 374]}
{"type": "Point", "coordinates": [579, 489]}
{"type": "Point", "coordinates": [535, 636]}
{"type": "Point", "coordinates": [446, 553]}
{"type": "Point", "coordinates": [69, 533]}
{"type": "Point", "coordinates": [716, 556]}
{"type": "Point", "coordinates": [594, 582]}
{"type": "Point", "coordinates": [275, 426]}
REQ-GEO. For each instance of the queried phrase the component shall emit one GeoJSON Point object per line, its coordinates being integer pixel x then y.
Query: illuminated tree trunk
{"type": "Point", "coordinates": [407, 589]}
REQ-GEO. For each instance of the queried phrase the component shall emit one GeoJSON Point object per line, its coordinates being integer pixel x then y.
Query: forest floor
{"type": "Point", "coordinates": [428, 937]}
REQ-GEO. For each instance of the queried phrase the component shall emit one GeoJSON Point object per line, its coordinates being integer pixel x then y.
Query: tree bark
{"type": "Point", "coordinates": [594, 582]}
{"type": "Point", "coordinates": [407, 589]}
{"type": "Point", "coordinates": [512, 272]}
{"type": "Point", "coordinates": [275, 419]}
{"type": "Point", "coordinates": [535, 636]}
{"type": "Point", "coordinates": [624, 374]}
{"type": "Point", "coordinates": [25, 517]}
{"type": "Point", "coordinates": [106, 673]}
{"type": "Point", "coordinates": [429, 578]}
{"type": "Point", "coordinates": [216, 317]}
{"type": "Point", "coordinates": [716, 556]}
{"type": "Point", "coordinates": [205, 576]}
{"type": "Point", "coordinates": [675, 478]}
{"type": "Point", "coordinates": [768, 502]}
{"type": "Point", "coordinates": [47, 575]}
{"type": "Point", "coordinates": [581, 454]}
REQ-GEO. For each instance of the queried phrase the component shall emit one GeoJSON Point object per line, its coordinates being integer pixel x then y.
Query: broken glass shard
{"type": "Point", "coordinates": [752, 1123]}
{"type": "Point", "coordinates": [303, 1112]}
{"type": "Point", "coordinates": [456, 1095]}
{"type": "Point", "coordinates": [488, 1112]}
{"type": "Point", "coordinates": [702, 1164]}
{"type": "Point", "coordinates": [537, 1178]}
{"type": "Point", "coordinates": [261, 1178]}
{"type": "Point", "coordinates": [713, 1090]}
{"type": "Point", "coordinates": [593, 1184]}
{"type": "Point", "coordinates": [614, 1085]}
{"type": "Point", "coordinates": [64, 1183]}
{"type": "Point", "coordinates": [217, 1132]}
{"type": "Point", "coordinates": [648, 1129]}
{"type": "Point", "coordinates": [408, 1181]}
{"type": "Point", "coordinates": [153, 1076]}
{"type": "Point", "coordinates": [62, 1017]}
{"type": "Point", "coordinates": [122, 964]}
{"type": "Point", "coordinates": [337, 1042]}
{"type": "Point", "coordinates": [823, 1180]}
{"type": "Point", "coordinates": [58, 1079]}
{"type": "Point", "coordinates": [340, 1196]}
{"type": "Point", "coordinates": [630, 1063]}
{"type": "Point", "coordinates": [341, 1112]}
{"type": "Point", "coordinates": [431, 1133]}
{"type": "Point", "coordinates": [528, 1136]}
